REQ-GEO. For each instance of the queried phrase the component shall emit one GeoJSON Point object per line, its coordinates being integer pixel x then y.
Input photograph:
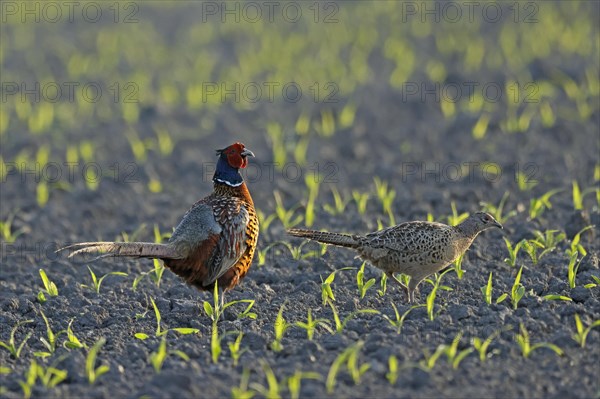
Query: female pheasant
{"type": "Point", "coordinates": [215, 240]}
{"type": "Point", "coordinates": [416, 249]}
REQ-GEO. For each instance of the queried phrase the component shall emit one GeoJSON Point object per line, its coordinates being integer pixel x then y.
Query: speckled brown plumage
{"type": "Point", "coordinates": [216, 238]}
{"type": "Point", "coordinates": [417, 249]}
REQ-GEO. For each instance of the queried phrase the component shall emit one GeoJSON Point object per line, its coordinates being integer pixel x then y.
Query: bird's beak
{"type": "Point", "coordinates": [498, 225]}
{"type": "Point", "coordinates": [247, 152]}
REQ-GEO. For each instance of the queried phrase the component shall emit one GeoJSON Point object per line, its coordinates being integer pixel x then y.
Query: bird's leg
{"type": "Point", "coordinates": [412, 287]}
{"type": "Point", "coordinates": [404, 288]}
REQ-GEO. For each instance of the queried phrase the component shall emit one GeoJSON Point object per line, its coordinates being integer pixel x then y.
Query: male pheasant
{"type": "Point", "coordinates": [417, 249]}
{"type": "Point", "coordinates": [215, 240]}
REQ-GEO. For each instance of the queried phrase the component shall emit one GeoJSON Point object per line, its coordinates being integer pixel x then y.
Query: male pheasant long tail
{"type": "Point", "coordinates": [125, 249]}
{"type": "Point", "coordinates": [339, 239]}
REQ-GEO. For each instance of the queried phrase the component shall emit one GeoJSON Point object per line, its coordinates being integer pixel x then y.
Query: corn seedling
{"type": "Point", "coordinates": [582, 332]}
{"type": "Point", "coordinates": [296, 251]}
{"type": "Point", "coordinates": [49, 287]}
{"type": "Point", "coordinates": [9, 236]}
{"type": "Point", "coordinates": [295, 381]}
{"type": "Point", "coordinates": [453, 355]}
{"type": "Point", "coordinates": [134, 236]}
{"type": "Point", "coordinates": [363, 286]}
{"type": "Point", "coordinates": [486, 290]}
{"type": "Point", "coordinates": [11, 345]}
{"type": "Point", "coordinates": [265, 221]}
{"type": "Point", "coordinates": [386, 196]}
{"type": "Point", "coordinates": [50, 340]}
{"type": "Point", "coordinates": [498, 211]}
{"type": "Point", "coordinates": [272, 391]}
{"type": "Point", "coordinates": [350, 357]}
{"type": "Point", "coordinates": [430, 301]}
{"type": "Point", "coordinates": [525, 344]}
{"type": "Point", "coordinates": [482, 345]}
{"type": "Point", "coordinates": [286, 216]}
{"type": "Point", "coordinates": [72, 341]}
{"type": "Point", "coordinates": [97, 282]}
{"type": "Point", "coordinates": [241, 391]}
{"type": "Point", "coordinates": [326, 290]}
{"type": "Point", "coordinates": [538, 205]}
{"type": "Point", "coordinates": [383, 285]}
{"type": "Point", "coordinates": [513, 251]}
{"type": "Point", "coordinates": [392, 374]}
{"type": "Point", "coordinates": [531, 247]}
{"type": "Point", "coordinates": [430, 359]}
{"type": "Point", "coordinates": [360, 199]}
{"type": "Point", "coordinates": [399, 321]}
{"type": "Point", "coordinates": [92, 372]}
{"type": "Point", "coordinates": [216, 310]}
{"type": "Point", "coordinates": [155, 274]}
{"type": "Point", "coordinates": [457, 267]}
{"type": "Point", "coordinates": [49, 376]}
{"type": "Point", "coordinates": [596, 282]}
{"type": "Point", "coordinates": [234, 349]}
{"type": "Point", "coordinates": [138, 147]}
{"type": "Point", "coordinates": [160, 331]}
{"type": "Point", "coordinates": [158, 358]}
{"type": "Point", "coordinates": [524, 182]}
{"type": "Point", "coordinates": [518, 290]}
{"type": "Point", "coordinates": [339, 203]}
{"type": "Point", "coordinates": [280, 327]}
{"type": "Point", "coordinates": [31, 376]}
{"type": "Point", "coordinates": [548, 240]}
{"type": "Point", "coordinates": [573, 269]}
{"type": "Point", "coordinates": [579, 195]}
{"type": "Point", "coordinates": [575, 245]}
{"type": "Point", "coordinates": [339, 324]}
{"type": "Point", "coordinates": [164, 141]}
{"type": "Point", "coordinates": [275, 133]}
{"type": "Point", "coordinates": [555, 297]}
{"type": "Point", "coordinates": [311, 324]}
{"type": "Point", "coordinates": [456, 218]}
{"type": "Point", "coordinates": [312, 184]}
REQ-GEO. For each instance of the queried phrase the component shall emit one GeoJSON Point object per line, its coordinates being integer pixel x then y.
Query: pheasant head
{"type": "Point", "coordinates": [231, 160]}
{"type": "Point", "coordinates": [476, 223]}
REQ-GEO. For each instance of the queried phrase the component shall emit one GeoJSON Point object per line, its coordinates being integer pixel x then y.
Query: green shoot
{"type": "Point", "coordinates": [311, 324]}
{"type": "Point", "coordinates": [455, 356]}
{"type": "Point", "coordinates": [548, 240]}
{"type": "Point", "coordinates": [386, 196]}
{"type": "Point", "coordinates": [399, 321]}
{"type": "Point", "coordinates": [497, 211]}
{"type": "Point", "coordinates": [350, 357]}
{"type": "Point", "coordinates": [360, 199]}
{"type": "Point", "coordinates": [158, 358]}
{"type": "Point", "coordinates": [280, 328]}
{"type": "Point", "coordinates": [430, 301]}
{"type": "Point", "coordinates": [596, 282]}
{"type": "Point", "coordinates": [50, 340]}
{"type": "Point", "coordinates": [234, 349]}
{"type": "Point", "coordinates": [581, 335]}
{"type": "Point", "coordinates": [383, 285]}
{"type": "Point", "coordinates": [457, 266]}
{"type": "Point", "coordinates": [486, 290]}
{"type": "Point", "coordinates": [242, 392]}
{"type": "Point", "coordinates": [31, 376]}
{"type": "Point", "coordinates": [272, 392]}
{"type": "Point", "coordinates": [92, 372]}
{"type": "Point", "coordinates": [326, 290]}
{"type": "Point", "coordinates": [339, 324]}
{"type": "Point", "coordinates": [360, 281]}
{"type": "Point", "coordinates": [456, 218]}
{"type": "Point", "coordinates": [518, 290]}
{"type": "Point", "coordinates": [72, 341]}
{"type": "Point", "coordinates": [286, 217]}
{"type": "Point", "coordinates": [295, 380]}
{"type": "Point", "coordinates": [524, 182]}
{"type": "Point", "coordinates": [50, 376]}
{"type": "Point", "coordinates": [513, 251]}
{"type": "Point", "coordinates": [577, 197]}
{"type": "Point", "coordinates": [160, 331]}
{"type": "Point", "coordinates": [8, 236]}
{"type": "Point", "coordinates": [531, 247]}
{"type": "Point", "coordinates": [356, 369]}
{"type": "Point", "coordinates": [482, 346]}
{"type": "Point", "coordinates": [49, 287]}
{"type": "Point", "coordinates": [11, 346]}
{"type": "Point", "coordinates": [339, 204]}
{"type": "Point", "coordinates": [216, 310]}
{"type": "Point", "coordinates": [538, 205]}
{"type": "Point", "coordinates": [430, 359]}
{"type": "Point", "coordinates": [573, 269]}
{"type": "Point", "coordinates": [392, 374]}
{"type": "Point", "coordinates": [575, 245]}
{"type": "Point", "coordinates": [97, 282]}
{"type": "Point", "coordinates": [526, 347]}
{"type": "Point", "coordinates": [312, 184]}
{"type": "Point", "coordinates": [265, 221]}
